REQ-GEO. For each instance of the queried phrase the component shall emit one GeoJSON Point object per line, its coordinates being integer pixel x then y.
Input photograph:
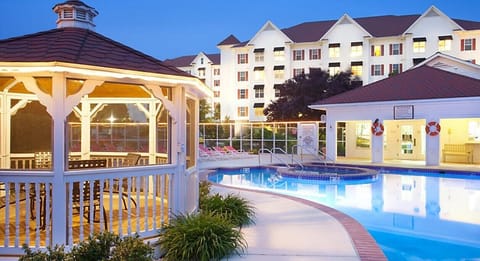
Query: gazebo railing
{"type": "Point", "coordinates": [126, 201]}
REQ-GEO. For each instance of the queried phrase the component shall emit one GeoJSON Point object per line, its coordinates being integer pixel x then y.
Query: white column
{"type": "Point", "coordinates": [178, 149]}
{"type": "Point", "coordinates": [331, 139]}
{"type": "Point", "coordinates": [432, 143]}
{"type": "Point", "coordinates": [5, 132]}
{"type": "Point", "coordinates": [377, 143]}
{"type": "Point", "coordinates": [85, 125]}
{"type": "Point", "coordinates": [59, 222]}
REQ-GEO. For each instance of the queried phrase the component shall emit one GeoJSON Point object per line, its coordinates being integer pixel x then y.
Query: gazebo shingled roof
{"type": "Point", "coordinates": [81, 46]}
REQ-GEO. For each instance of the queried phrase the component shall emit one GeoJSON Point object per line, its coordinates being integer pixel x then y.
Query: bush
{"type": "Point", "coordinates": [235, 209]}
{"type": "Point", "coordinates": [102, 246]}
{"type": "Point", "coordinates": [202, 236]}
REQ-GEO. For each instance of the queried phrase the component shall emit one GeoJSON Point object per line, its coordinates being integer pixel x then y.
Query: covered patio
{"type": "Point", "coordinates": [93, 136]}
{"type": "Point", "coordinates": [428, 114]}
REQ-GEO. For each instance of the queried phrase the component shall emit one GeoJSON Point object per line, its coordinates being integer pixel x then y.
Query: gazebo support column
{"type": "Point", "coordinates": [58, 113]}
{"type": "Point", "coordinates": [179, 150]}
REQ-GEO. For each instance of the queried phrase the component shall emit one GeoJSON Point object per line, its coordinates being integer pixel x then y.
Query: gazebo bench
{"type": "Point", "coordinates": [457, 150]}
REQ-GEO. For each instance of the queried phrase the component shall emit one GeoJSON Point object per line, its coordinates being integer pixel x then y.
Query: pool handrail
{"type": "Point", "coordinates": [324, 159]}
{"type": "Point", "coordinates": [272, 154]}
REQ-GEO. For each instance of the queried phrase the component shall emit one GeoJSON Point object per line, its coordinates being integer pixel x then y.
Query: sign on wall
{"type": "Point", "coordinates": [403, 112]}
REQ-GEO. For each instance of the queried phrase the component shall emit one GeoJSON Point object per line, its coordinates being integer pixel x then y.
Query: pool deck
{"type": "Point", "coordinates": [289, 228]}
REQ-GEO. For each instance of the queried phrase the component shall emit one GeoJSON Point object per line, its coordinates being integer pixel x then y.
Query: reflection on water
{"type": "Point", "coordinates": [435, 209]}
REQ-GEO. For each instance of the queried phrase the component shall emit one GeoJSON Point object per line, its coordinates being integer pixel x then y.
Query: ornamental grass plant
{"type": "Point", "coordinates": [232, 207]}
{"type": "Point", "coordinates": [202, 236]}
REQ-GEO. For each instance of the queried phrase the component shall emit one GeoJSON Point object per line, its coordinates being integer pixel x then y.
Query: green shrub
{"type": "Point", "coordinates": [101, 246]}
{"type": "Point", "coordinates": [132, 248]}
{"type": "Point", "coordinates": [235, 209]}
{"type": "Point", "coordinates": [202, 236]}
{"type": "Point", "coordinates": [204, 191]}
{"type": "Point", "coordinates": [96, 247]}
{"type": "Point", "coordinates": [56, 253]}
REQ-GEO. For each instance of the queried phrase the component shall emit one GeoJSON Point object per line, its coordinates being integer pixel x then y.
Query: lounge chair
{"type": "Point", "coordinates": [222, 151]}
{"type": "Point", "coordinates": [236, 152]}
{"type": "Point", "coordinates": [207, 153]}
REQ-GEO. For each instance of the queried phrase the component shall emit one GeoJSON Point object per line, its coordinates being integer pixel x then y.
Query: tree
{"type": "Point", "coordinates": [305, 89]}
{"type": "Point", "coordinates": [205, 111]}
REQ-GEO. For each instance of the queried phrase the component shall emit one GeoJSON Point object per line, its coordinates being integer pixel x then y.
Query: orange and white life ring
{"type": "Point", "coordinates": [433, 128]}
{"type": "Point", "coordinates": [377, 129]}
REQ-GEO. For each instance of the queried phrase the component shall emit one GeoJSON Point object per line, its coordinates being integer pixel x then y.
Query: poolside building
{"type": "Point", "coordinates": [94, 136]}
{"type": "Point", "coordinates": [428, 113]}
{"type": "Point", "coordinates": [373, 48]}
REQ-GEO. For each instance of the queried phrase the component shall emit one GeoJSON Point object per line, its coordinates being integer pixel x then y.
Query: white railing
{"type": "Point", "coordinates": [126, 201]}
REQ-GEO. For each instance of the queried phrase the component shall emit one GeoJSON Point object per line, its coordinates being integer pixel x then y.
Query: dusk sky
{"type": "Point", "coordinates": [168, 29]}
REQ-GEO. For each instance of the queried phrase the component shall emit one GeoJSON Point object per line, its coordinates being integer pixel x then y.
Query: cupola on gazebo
{"type": "Point", "coordinates": [94, 136]}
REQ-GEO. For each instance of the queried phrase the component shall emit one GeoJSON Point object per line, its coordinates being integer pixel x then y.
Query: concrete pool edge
{"type": "Point", "coordinates": [363, 243]}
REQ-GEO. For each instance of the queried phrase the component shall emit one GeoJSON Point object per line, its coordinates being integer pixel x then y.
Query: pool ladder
{"type": "Point", "coordinates": [273, 155]}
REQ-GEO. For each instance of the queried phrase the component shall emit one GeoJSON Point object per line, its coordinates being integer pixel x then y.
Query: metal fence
{"type": "Point", "coordinates": [254, 137]}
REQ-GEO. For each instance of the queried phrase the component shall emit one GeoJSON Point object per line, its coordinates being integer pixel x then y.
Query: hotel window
{"type": "Point", "coordinates": [377, 50]}
{"type": "Point", "coordinates": [298, 71]}
{"type": "Point", "coordinates": [357, 68]}
{"type": "Point", "coordinates": [216, 71]}
{"type": "Point", "coordinates": [216, 94]}
{"type": "Point", "coordinates": [216, 83]}
{"type": "Point", "coordinates": [362, 133]}
{"type": "Point", "coordinates": [201, 72]}
{"type": "Point", "coordinates": [258, 107]}
{"type": "Point", "coordinates": [356, 49]}
{"type": "Point", "coordinates": [314, 54]}
{"type": "Point", "coordinates": [445, 43]}
{"type": "Point", "coordinates": [298, 55]}
{"type": "Point", "coordinates": [396, 49]}
{"type": "Point", "coordinates": [242, 94]}
{"type": "Point", "coordinates": [242, 58]}
{"type": "Point", "coordinates": [276, 87]}
{"type": "Point", "coordinates": [242, 111]}
{"type": "Point", "coordinates": [201, 60]}
{"type": "Point", "coordinates": [333, 68]}
{"type": "Point", "coordinates": [419, 44]}
{"type": "Point", "coordinates": [395, 68]}
{"type": "Point", "coordinates": [279, 71]}
{"type": "Point", "coordinates": [259, 73]}
{"type": "Point", "coordinates": [259, 54]}
{"type": "Point", "coordinates": [242, 76]}
{"type": "Point", "coordinates": [258, 91]}
{"type": "Point", "coordinates": [279, 53]}
{"type": "Point", "coordinates": [467, 44]}
{"type": "Point", "coordinates": [377, 69]}
{"type": "Point", "coordinates": [334, 50]}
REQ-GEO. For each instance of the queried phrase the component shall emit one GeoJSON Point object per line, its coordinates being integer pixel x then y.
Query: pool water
{"type": "Point", "coordinates": [412, 215]}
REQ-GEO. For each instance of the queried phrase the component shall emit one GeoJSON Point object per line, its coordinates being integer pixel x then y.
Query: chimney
{"type": "Point", "coordinates": [74, 13]}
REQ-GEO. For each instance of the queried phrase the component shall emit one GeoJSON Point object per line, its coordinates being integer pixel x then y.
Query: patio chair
{"type": "Point", "coordinates": [87, 207]}
{"type": "Point", "coordinates": [130, 160]}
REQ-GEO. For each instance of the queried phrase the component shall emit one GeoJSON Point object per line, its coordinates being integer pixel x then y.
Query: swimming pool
{"type": "Point", "coordinates": [412, 215]}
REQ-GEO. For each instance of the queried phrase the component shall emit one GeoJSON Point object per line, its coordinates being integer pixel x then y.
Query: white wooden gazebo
{"type": "Point", "coordinates": [75, 106]}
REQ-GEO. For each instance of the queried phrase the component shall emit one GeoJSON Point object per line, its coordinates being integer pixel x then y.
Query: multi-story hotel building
{"type": "Point", "coordinates": [373, 48]}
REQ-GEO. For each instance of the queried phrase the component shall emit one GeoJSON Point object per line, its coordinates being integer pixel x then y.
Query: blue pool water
{"type": "Point", "coordinates": [412, 215]}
